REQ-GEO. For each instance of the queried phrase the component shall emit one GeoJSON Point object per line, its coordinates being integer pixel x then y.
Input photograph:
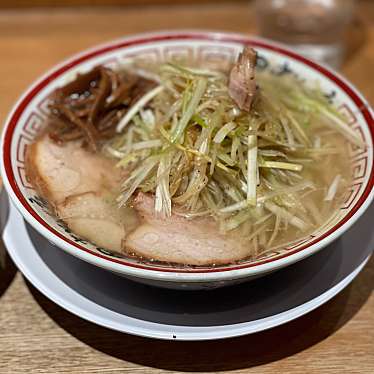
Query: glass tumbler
{"type": "Point", "coordinates": [314, 28]}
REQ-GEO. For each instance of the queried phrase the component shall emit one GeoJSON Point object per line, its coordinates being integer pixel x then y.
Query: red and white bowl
{"type": "Point", "coordinates": [27, 119]}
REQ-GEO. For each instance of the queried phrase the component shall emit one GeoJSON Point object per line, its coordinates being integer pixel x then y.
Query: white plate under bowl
{"type": "Point", "coordinates": [120, 304]}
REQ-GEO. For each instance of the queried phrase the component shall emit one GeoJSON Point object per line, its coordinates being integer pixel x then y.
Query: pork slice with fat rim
{"type": "Point", "coordinates": [81, 186]}
{"type": "Point", "coordinates": [180, 240]}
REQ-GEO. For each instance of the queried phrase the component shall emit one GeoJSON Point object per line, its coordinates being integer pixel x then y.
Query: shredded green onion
{"type": "Point", "coordinates": [137, 107]}
{"type": "Point", "coordinates": [186, 142]}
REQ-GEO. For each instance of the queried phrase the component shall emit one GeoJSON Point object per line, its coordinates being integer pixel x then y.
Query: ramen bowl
{"type": "Point", "coordinates": [27, 120]}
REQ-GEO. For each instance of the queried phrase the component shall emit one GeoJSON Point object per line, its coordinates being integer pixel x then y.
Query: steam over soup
{"type": "Point", "coordinates": [190, 165]}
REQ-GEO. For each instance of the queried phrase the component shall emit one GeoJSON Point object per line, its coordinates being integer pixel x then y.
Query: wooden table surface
{"type": "Point", "coordinates": [36, 336]}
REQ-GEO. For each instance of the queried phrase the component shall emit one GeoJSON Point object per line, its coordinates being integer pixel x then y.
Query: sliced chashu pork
{"type": "Point", "coordinates": [242, 84]}
{"type": "Point", "coordinates": [177, 239]}
{"type": "Point", "coordinates": [81, 186]}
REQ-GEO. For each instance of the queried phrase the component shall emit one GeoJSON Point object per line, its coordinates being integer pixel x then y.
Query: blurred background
{"type": "Point", "coordinates": [35, 35]}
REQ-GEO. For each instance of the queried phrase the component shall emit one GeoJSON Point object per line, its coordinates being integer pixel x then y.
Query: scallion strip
{"type": "Point", "coordinates": [141, 103]}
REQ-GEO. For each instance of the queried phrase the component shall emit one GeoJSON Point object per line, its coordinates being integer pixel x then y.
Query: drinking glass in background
{"type": "Point", "coordinates": [314, 28]}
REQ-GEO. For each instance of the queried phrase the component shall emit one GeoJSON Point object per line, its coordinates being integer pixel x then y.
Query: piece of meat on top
{"type": "Point", "coordinates": [81, 186]}
{"type": "Point", "coordinates": [242, 84]}
{"type": "Point", "coordinates": [180, 240]}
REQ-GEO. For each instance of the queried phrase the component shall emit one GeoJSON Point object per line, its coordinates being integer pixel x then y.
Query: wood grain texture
{"type": "Point", "coordinates": [37, 336]}
{"type": "Point", "coordinates": [97, 3]}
